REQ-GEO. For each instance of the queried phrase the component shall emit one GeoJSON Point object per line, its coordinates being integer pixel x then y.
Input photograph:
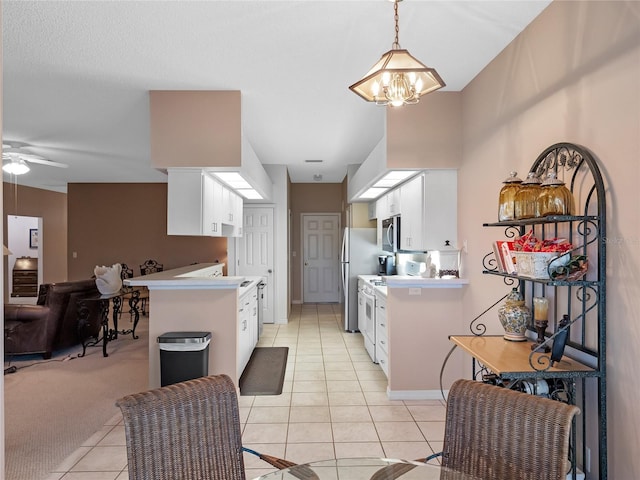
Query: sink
{"type": "Point", "coordinates": [245, 283]}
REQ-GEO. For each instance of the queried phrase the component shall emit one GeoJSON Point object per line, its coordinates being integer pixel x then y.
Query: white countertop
{"type": "Point", "coordinates": [196, 276]}
{"type": "Point", "coordinates": [408, 281]}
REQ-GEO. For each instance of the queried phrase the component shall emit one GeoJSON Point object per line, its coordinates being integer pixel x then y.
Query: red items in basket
{"type": "Point", "coordinates": [529, 243]}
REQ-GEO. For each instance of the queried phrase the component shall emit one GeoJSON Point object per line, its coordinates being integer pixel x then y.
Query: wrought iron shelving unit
{"type": "Point", "coordinates": [580, 377]}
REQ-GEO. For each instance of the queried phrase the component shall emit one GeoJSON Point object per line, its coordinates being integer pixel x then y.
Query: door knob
{"type": "Point", "coordinates": [306, 264]}
{"type": "Point", "coordinates": [269, 271]}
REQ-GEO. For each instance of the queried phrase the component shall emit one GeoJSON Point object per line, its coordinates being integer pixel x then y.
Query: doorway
{"type": "Point", "coordinates": [256, 257]}
{"type": "Point", "coordinates": [24, 241]}
{"type": "Point", "coordinates": [320, 254]}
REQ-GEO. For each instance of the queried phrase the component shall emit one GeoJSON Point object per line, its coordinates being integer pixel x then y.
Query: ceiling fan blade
{"type": "Point", "coordinates": [43, 161]}
{"type": "Point", "coordinates": [14, 154]}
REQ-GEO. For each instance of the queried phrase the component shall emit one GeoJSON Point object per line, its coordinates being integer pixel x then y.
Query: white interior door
{"type": "Point", "coordinates": [256, 252]}
{"type": "Point", "coordinates": [321, 251]}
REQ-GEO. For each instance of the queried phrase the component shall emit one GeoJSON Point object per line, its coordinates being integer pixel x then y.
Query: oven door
{"type": "Point", "coordinates": [369, 331]}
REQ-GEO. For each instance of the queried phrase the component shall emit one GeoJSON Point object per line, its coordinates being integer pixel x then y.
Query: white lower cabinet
{"type": "Point", "coordinates": [382, 335]}
{"type": "Point", "coordinates": [247, 327]}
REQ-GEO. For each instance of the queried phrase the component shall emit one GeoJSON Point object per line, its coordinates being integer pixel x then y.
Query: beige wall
{"type": "Point", "coordinates": [309, 198]}
{"type": "Point", "coordinates": [428, 134]}
{"type": "Point", "coordinates": [127, 223]}
{"type": "Point", "coordinates": [573, 75]}
{"type": "Point", "coordinates": [52, 207]}
{"type": "Point", "coordinates": [195, 128]}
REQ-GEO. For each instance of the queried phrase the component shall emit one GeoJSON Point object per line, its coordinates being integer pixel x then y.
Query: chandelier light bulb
{"type": "Point", "coordinates": [402, 77]}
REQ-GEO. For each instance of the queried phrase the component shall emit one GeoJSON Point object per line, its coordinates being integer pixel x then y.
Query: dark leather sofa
{"type": "Point", "coordinates": [52, 324]}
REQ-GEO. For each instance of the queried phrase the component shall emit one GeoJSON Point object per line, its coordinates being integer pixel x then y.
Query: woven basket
{"type": "Point", "coordinates": [536, 264]}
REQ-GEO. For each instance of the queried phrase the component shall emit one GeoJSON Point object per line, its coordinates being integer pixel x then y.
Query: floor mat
{"type": "Point", "coordinates": [264, 373]}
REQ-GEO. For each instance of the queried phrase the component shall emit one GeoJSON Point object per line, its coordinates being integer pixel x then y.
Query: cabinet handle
{"type": "Point", "coordinates": [382, 325]}
{"type": "Point", "coordinates": [244, 325]}
{"type": "Point", "coordinates": [382, 361]}
{"type": "Point", "coordinates": [382, 342]}
{"type": "Point", "coordinates": [381, 307]}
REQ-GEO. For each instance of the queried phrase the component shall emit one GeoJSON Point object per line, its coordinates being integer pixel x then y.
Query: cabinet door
{"type": "Point", "coordinates": [440, 208]}
{"type": "Point", "coordinates": [382, 207]}
{"type": "Point", "coordinates": [211, 201]}
{"type": "Point", "coordinates": [184, 202]}
{"type": "Point", "coordinates": [373, 210]}
{"type": "Point", "coordinates": [382, 342]}
{"type": "Point", "coordinates": [245, 335]}
{"type": "Point", "coordinates": [394, 198]}
{"type": "Point", "coordinates": [412, 226]}
{"type": "Point", "coordinates": [238, 218]}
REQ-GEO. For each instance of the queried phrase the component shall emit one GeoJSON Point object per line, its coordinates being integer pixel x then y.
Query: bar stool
{"type": "Point", "coordinates": [148, 267]}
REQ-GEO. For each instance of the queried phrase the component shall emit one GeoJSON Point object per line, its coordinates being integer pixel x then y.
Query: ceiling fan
{"type": "Point", "coordinates": [16, 156]}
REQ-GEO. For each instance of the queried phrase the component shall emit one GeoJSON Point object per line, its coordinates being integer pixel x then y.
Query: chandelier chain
{"type": "Point", "coordinates": [396, 43]}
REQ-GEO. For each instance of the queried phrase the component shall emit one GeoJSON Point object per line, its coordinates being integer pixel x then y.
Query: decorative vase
{"type": "Point", "coordinates": [506, 199]}
{"type": "Point", "coordinates": [514, 317]}
{"type": "Point", "coordinates": [555, 198]}
{"type": "Point", "coordinates": [526, 199]}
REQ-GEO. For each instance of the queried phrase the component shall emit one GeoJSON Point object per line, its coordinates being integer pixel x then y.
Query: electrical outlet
{"type": "Point", "coordinates": [75, 255]}
{"type": "Point", "coordinates": [415, 291]}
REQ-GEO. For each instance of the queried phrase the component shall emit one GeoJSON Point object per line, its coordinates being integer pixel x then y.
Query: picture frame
{"type": "Point", "coordinates": [33, 238]}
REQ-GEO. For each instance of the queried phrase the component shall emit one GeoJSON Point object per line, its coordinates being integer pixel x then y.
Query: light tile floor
{"type": "Point", "coordinates": [334, 404]}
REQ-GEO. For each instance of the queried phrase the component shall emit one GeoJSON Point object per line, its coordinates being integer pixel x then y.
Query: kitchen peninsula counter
{"type": "Point", "coordinates": [193, 298]}
{"type": "Point", "coordinates": [420, 315]}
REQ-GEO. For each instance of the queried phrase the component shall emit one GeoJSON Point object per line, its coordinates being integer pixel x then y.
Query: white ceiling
{"type": "Point", "coordinates": [76, 74]}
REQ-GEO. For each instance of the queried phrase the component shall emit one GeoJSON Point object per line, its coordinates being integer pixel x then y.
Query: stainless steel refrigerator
{"type": "Point", "coordinates": [359, 256]}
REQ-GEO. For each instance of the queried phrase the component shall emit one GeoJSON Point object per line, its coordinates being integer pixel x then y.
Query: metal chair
{"type": "Point", "coordinates": [187, 431]}
{"type": "Point", "coordinates": [147, 268]}
{"type": "Point", "coordinates": [151, 266]}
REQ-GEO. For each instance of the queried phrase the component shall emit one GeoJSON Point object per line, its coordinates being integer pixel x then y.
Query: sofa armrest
{"type": "Point", "coordinates": [24, 313]}
{"type": "Point", "coordinates": [28, 329]}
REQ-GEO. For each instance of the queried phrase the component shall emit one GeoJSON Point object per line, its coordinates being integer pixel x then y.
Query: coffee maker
{"type": "Point", "coordinates": [386, 265]}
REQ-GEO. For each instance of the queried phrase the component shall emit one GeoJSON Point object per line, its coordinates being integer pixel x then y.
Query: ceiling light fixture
{"type": "Point", "coordinates": [239, 184]}
{"type": "Point", "coordinates": [16, 166]}
{"type": "Point", "coordinates": [398, 78]}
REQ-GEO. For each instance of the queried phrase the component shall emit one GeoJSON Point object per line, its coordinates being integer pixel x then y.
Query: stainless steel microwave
{"type": "Point", "coordinates": [391, 234]}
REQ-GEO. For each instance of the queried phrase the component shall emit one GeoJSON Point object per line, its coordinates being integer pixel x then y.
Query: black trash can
{"type": "Point", "coordinates": [183, 356]}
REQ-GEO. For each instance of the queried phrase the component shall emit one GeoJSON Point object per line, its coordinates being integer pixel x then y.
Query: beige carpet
{"type": "Point", "coordinates": [52, 407]}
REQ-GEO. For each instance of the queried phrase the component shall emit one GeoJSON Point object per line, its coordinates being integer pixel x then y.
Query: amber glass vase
{"type": "Point", "coordinates": [526, 201]}
{"type": "Point", "coordinates": [555, 198]}
{"type": "Point", "coordinates": [506, 202]}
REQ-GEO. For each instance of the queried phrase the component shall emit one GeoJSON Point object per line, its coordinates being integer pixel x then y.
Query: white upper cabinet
{"type": "Point", "coordinates": [200, 205]}
{"type": "Point", "coordinates": [388, 205]}
{"type": "Point", "coordinates": [440, 208]}
{"type": "Point", "coordinates": [412, 226]}
{"type": "Point", "coordinates": [429, 211]}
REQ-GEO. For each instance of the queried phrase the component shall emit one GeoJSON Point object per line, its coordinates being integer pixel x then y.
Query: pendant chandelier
{"type": "Point", "coordinates": [398, 78]}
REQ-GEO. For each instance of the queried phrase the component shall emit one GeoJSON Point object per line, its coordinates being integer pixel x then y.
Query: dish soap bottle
{"type": "Point", "coordinates": [506, 204]}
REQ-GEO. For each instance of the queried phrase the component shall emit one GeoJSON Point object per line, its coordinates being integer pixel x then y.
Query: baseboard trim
{"type": "Point", "coordinates": [416, 394]}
